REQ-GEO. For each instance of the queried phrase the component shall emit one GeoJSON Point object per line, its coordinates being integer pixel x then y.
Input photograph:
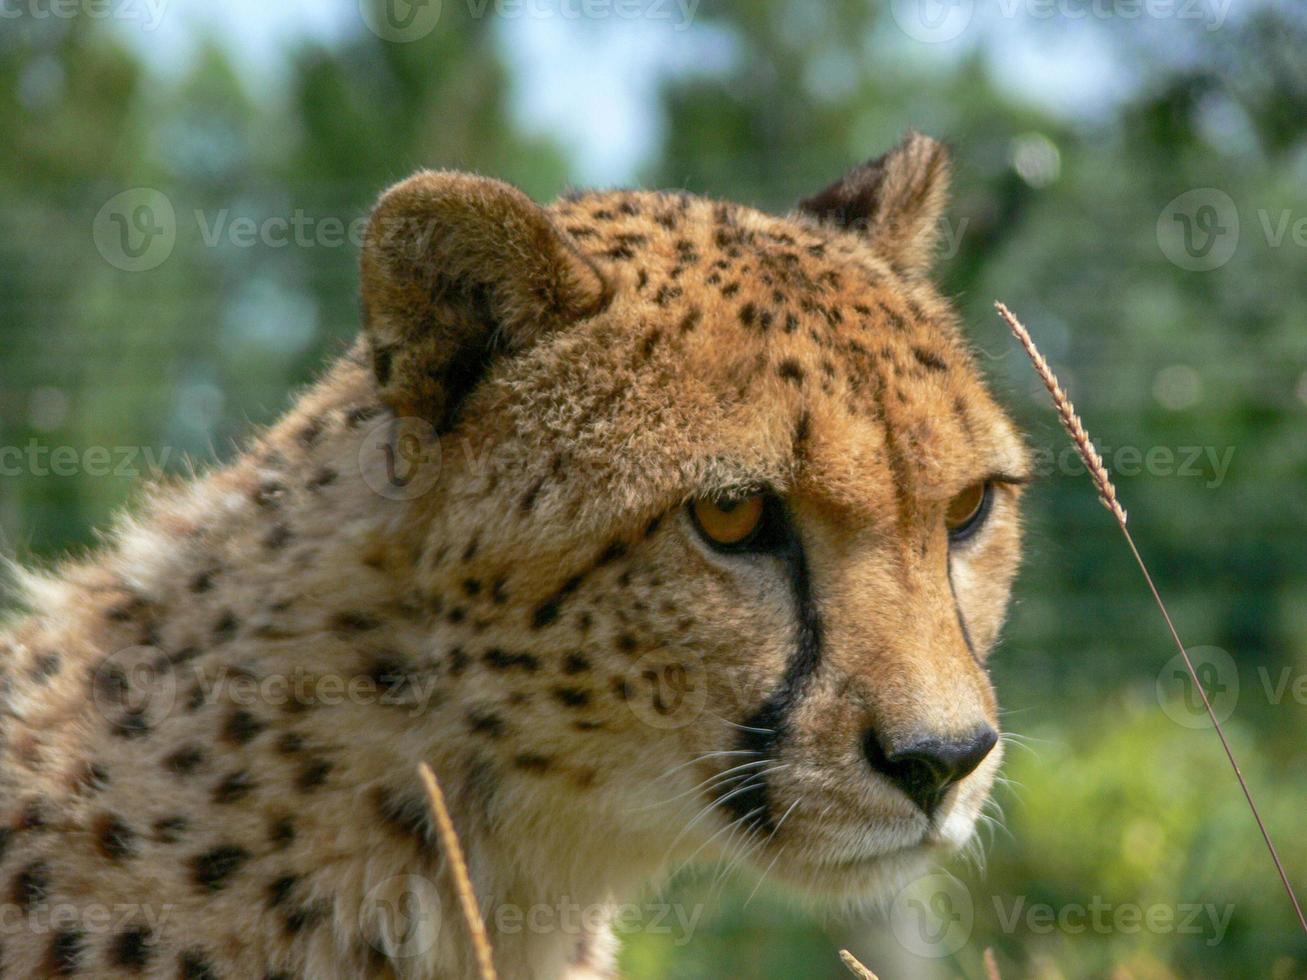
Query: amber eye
{"type": "Point", "coordinates": [966, 510]}
{"type": "Point", "coordinates": [730, 521]}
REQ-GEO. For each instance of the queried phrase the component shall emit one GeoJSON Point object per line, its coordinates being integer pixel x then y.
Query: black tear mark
{"type": "Point", "coordinates": [768, 727]}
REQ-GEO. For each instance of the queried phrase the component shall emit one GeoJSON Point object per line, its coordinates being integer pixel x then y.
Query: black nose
{"type": "Point", "coordinates": [925, 766]}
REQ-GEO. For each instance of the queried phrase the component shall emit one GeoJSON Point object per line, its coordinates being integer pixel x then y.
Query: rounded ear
{"type": "Point", "coordinates": [896, 199]}
{"type": "Point", "coordinates": [457, 268]}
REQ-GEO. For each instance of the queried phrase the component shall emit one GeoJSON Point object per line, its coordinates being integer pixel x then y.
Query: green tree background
{"type": "Point", "coordinates": [1063, 214]}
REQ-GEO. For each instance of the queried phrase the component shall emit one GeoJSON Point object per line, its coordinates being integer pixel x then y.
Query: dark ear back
{"type": "Point", "coordinates": [455, 269]}
{"type": "Point", "coordinates": [896, 199]}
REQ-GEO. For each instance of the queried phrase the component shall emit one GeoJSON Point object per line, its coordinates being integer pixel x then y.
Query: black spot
{"type": "Point", "coordinates": [575, 664]}
{"type": "Point", "coordinates": [471, 586]}
{"type": "Point", "coordinates": [169, 830]}
{"type": "Point", "coordinates": [203, 581]}
{"type": "Point", "coordinates": [485, 723]}
{"type": "Point", "coordinates": [353, 621]}
{"type": "Point", "coordinates": [790, 370]}
{"type": "Point", "coordinates": [131, 949]}
{"type": "Point", "coordinates": [117, 840]}
{"type": "Point", "coordinates": [277, 538]}
{"type": "Point", "coordinates": [233, 788]}
{"type": "Point", "coordinates": [458, 662]}
{"type": "Point", "coordinates": [269, 494]}
{"type": "Point", "coordinates": [281, 832]}
{"type": "Point", "coordinates": [31, 885]}
{"type": "Point", "coordinates": [406, 814]}
{"type": "Point", "coordinates": [127, 610]}
{"type": "Point", "coordinates": [531, 762]}
{"type": "Point", "coordinates": [242, 727]}
{"type": "Point", "coordinates": [748, 314]}
{"type": "Point", "coordinates": [533, 491]}
{"type": "Point", "coordinates": [212, 869]}
{"type": "Point", "coordinates": [185, 760]}
{"type": "Point", "coordinates": [93, 779]}
{"type": "Point", "coordinates": [32, 816]}
{"type": "Point", "coordinates": [382, 362]}
{"type": "Point", "coordinates": [310, 433]}
{"type": "Point", "coordinates": [666, 294]}
{"type": "Point", "coordinates": [130, 725]}
{"type": "Point", "coordinates": [225, 628]}
{"type": "Point", "coordinates": [5, 835]}
{"type": "Point", "coordinates": [324, 477]}
{"type": "Point", "coordinates": [280, 890]}
{"type": "Point", "coordinates": [930, 361]}
{"type": "Point", "coordinates": [313, 775]}
{"type": "Point", "coordinates": [194, 965]}
{"type": "Point", "coordinates": [290, 743]}
{"type": "Point", "coordinates": [895, 319]}
{"type": "Point", "coordinates": [361, 414]}
{"type": "Point", "coordinates": [627, 643]}
{"type": "Point", "coordinates": [547, 611]}
{"type": "Point", "coordinates": [691, 320]}
{"type": "Point", "coordinates": [650, 342]}
{"type": "Point", "coordinates": [44, 666]}
{"type": "Point", "coordinates": [65, 955]}
{"type": "Point", "coordinates": [503, 660]}
{"type": "Point", "coordinates": [307, 916]}
{"type": "Point", "coordinates": [572, 697]}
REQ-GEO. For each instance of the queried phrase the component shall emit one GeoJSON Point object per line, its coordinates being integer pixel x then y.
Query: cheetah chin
{"type": "Point", "coordinates": [663, 529]}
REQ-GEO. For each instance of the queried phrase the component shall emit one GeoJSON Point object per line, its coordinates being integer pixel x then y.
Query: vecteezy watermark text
{"type": "Point", "coordinates": [37, 459]}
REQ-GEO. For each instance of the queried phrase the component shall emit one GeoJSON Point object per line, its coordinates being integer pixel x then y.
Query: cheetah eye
{"type": "Point", "coordinates": [967, 511]}
{"type": "Point", "coordinates": [730, 523]}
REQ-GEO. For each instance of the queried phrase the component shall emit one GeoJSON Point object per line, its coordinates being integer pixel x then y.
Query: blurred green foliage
{"type": "Point", "coordinates": [1057, 214]}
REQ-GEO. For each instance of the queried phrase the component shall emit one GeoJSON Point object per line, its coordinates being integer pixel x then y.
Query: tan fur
{"type": "Point", "coordinates": [513, 569]}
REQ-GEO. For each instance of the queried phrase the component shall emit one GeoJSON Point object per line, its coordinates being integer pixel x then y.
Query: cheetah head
{"type": "Point", "coordinates": [725, 520]}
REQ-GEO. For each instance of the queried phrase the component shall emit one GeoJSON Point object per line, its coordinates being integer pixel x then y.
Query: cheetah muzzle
{"type": "Point", "coordinates": [662, 528]}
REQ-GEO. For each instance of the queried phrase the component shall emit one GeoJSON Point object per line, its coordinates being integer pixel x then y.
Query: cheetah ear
{"type": "Point", "coordinates": [457, 269]}
{"type": "Point", "coordinates": [897, 199]}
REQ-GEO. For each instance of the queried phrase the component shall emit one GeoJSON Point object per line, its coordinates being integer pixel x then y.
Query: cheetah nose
{"type": "Point", "coordinates": [924, 766]}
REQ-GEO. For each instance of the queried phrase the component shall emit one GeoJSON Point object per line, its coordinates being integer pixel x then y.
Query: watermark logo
{"type": "Point", "coordinates": [1104, 918]}
{"type": "Point", "coordinates": [401, 21]}
{"type": "Point", "coordinates": [134, 688]}
{"type": "Point", "coordinates": [401, 916]}
{"type": "Point", "coordinates": [135, 231]}
{"type": "Point", "coordinates": [147, 13]}
{"type": "Point", "coordinates": [1183, 703]}
{"type": "Point", "coordinates": [933, 915]}
{"type": "Point", "coordinates": [400, 458]}
{"type": "Point", "coordinates": [666, 689]}
{"type": "Point", "coordinates": [932, 21]}
{"type": "Point", "coordinates": [1199, 229]}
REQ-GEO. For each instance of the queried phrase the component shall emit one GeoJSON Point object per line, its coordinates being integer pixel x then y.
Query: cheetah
{"type": "Point", "coordinates": [658, 526]}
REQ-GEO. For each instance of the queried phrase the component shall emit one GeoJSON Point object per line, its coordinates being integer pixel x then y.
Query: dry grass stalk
{"type": "Point", "coordinates": [856, 968]}
{"type": "Point", "coordinates": [1107, 494]}
{"type": "Point", "coordinates": [991, 965]}
{"type": "Point", "coordinates": [458, 865]}
{"type": "Point", "coordinates": [1066, 411]}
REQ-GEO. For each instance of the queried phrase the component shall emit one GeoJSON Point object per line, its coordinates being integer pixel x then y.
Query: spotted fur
{"type": "Point", "coordinates": [468, 545]}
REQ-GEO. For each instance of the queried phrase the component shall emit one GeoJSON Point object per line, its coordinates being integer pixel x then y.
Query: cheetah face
{"type": "Point", "coordinates": [735, 517]}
